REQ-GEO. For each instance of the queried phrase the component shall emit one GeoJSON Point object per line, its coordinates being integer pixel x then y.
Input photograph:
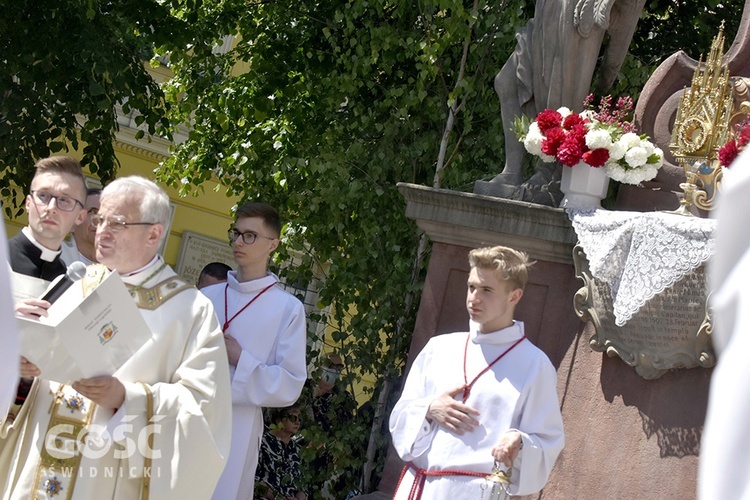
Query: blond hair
{"type": "Point", "coordinates": [511, 266]}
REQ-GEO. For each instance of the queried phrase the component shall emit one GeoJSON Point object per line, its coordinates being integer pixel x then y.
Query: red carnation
{"type": "Point", "coordinates": [727, 153]}
{"type": "Point", "coordinates": [573, 147]}
{"type": "Point", "coordinates": [572, 120]}
{"type": "Point", "coordinates": [547, 119]}
{"type": "Point", "coordinates": [551, 143]}
{"type": "Point", "coordinates": [744, 137]}
{"type": "Point", "coordinates": [597, 157]}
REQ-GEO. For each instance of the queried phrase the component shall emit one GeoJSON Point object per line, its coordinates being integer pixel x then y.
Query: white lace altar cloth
{"type": "Point", "coordinates": [639, 255]}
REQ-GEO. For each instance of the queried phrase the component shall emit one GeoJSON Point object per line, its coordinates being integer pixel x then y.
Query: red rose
{"type": "Point", "coordinates": [727, 153]}
{"type": "Point", "coordinates": [551, 143]}
{"type": "Point", "coordinates": [548, 119]}
{"type": "Point", "coordinates": [573, 147]}
{"type": "Point", "coordinates": [597, 157]}
{"type": "Point", "coordinates": [572, 120]}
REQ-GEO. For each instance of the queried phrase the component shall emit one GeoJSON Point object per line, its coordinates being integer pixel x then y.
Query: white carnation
{"type": "Point", "coordinates": [598, 138]}
{"type": "Point", "coordinates": [564, 111]}
{"type": "Point", "coordinates": [631, 176]}
{"type": "Point", "coordinates": [617, 151]}
{"type": "Point", "coordinates": [588, 114]}
{"type": "Point", "coordinates": [533, 140]}
{"type": "Point", "coordinates": [630, 140]}
{"type": "Point", "coordinates": [660, 157]}
{"type": "Point", "coordinates": [648, 172]}
{"type": "Point", "coordinates": [636, 157]}
{"type": "Point", "coordinates": [648, 147]}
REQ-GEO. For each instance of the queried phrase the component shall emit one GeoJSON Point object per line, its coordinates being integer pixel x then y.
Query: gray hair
{"type": "Point", "coordinates": [153, 202]}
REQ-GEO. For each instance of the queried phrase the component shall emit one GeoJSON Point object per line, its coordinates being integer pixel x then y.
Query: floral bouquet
{"type": "Point", "coordinates": [603, 138]}
{"type": "Point", "coordinates": [729, 151]}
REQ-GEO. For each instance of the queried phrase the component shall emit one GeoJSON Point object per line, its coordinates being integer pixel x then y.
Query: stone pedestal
{"type": "Point", "coordinates": [626, 437]}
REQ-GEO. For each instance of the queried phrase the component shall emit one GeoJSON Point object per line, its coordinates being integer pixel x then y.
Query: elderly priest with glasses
{"type": "Point", "coordinates": [159, 426]}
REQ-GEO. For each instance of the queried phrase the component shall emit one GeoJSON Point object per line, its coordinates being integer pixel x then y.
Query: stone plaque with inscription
{"type": "Point", "coordinates": [197, 250]}
{"type": "Point", "coordinates": [672, 330]}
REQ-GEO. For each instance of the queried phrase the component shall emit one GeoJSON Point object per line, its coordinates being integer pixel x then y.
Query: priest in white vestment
{"type": "Point", "coordinates": [179, 378]}
{"type": "Point", "coordinates": [266, 339]}
{"type": "Point", "coordinates": [476, 399]}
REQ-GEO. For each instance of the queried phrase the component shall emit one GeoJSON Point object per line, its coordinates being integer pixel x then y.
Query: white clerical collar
{"type": "Point", "coordinates": [509, 334]}
{"type": "Point", "coordinates": [47, 254]}
{"type": "Point", "coordinates": [153, 261]}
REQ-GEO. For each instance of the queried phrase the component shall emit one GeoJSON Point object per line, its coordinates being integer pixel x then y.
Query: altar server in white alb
{"type": "Point", "coordinates": [475, 398]}
{"type": "Point", "coordinates": [160, 425]}
{"type": "Point", "coordinates": [265, 333]}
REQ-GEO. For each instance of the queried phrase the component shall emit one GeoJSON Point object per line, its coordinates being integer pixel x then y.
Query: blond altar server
{"type": "Point", "coordinates": [476, 399]}
{"type": "Point", "coordinates": [725, 445]}
{"type": "Point", "coordinates": [160, 426]}
{"type": "Point", "coordinates": [265, 333]}
{"type": "Point", "coordinates": [9, 355]}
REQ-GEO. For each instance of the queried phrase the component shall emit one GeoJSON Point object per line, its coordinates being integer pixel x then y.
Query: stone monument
{"type": "Point", "coordinates": [540, 75]}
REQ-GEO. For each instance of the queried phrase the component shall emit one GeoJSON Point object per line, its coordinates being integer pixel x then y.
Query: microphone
{"type": "Point", "coordinates": [76, 271]}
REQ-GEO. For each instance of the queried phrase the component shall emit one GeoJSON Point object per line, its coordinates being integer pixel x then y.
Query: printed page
{"type": "Point", "coordinates": [85, 337]}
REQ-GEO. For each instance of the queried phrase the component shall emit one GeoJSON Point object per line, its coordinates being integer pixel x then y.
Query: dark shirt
{"type": "Point", "coordinates": [26, 258]}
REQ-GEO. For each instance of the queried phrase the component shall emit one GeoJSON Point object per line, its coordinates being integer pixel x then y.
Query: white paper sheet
{"type": "Point", "coordinates": [85, 337]}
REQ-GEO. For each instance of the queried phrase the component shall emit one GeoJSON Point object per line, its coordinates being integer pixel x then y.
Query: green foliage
{"type": "Point", "coordinates": [668, 26]}
{"type": "Point", "coordinates": [319, 108]}
{"type": "Point", "coordinates": [65, 66]}
{"type": "Point", "coordinates": [341, 102]}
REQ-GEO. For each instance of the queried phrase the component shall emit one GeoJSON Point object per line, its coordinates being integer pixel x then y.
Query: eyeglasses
{"type": "Point", "coordinates": [64, 203]}
{"type": "Point", "coordinates": [116, 222]}
{"type": "Point", "coordinates": [292, 418]}
{"type": "Point", "coordinates": [248, 237]}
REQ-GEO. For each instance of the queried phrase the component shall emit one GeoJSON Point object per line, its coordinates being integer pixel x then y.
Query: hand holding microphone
{"type": "Point", "coordinates": [34, 308]}
{"type": "Point", "coordinates": [76, 271]}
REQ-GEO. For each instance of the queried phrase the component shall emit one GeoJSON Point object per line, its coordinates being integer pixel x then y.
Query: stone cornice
{"type": "Point", "coordinates": [157, 149]}
{"type": "Point", "coordinates": [473, 220]}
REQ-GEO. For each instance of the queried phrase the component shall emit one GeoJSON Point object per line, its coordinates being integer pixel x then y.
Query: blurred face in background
{"type": "Point", "coordinates": [85, 232]}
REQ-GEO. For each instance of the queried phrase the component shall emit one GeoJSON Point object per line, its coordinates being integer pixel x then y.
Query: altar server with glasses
{"type": "Point", "coordinates": [265, 334]}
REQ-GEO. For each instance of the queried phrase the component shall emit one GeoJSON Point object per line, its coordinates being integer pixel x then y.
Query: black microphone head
{"type": "Point", "coordinates": [76, 271]}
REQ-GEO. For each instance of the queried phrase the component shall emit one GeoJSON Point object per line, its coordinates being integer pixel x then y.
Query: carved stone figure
{"type": "Point", "coordinates": [552, 66]}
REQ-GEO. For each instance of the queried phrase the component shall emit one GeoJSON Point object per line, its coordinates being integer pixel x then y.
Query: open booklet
{"type": "Point", "coordinates": [85, 337]}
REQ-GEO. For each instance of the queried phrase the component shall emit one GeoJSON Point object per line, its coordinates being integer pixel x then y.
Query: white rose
{"type": "Point", "coordinates": [598, 138]}
{"type": "Point", "coordinates": [636, 157]}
